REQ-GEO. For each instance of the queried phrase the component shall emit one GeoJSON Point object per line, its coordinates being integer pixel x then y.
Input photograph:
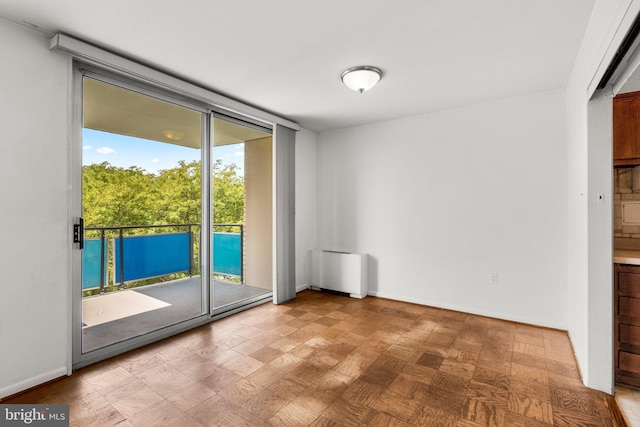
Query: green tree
{"type": "Point", "coordinates": [228, 194]}
{"type": "Point", "coordinates": [178, 194]}
{"type": "Point", "coordinates": [114, 196]}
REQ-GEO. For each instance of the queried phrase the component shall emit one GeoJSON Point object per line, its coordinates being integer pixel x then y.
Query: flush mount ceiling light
{"type": "Point", "coordinates": [361, 78]}
{"type": "Point", "coordinates": [173, 135]}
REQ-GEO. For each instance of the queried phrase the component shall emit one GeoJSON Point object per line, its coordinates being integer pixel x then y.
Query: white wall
{"type": "Point", "coordinates": [306, 215]}
{"type": "Point", "coordinates": [258, 229]}
{"type": "Point", "coordinates": [589, 168]}
{"type": "Point", "coordinates": [442, 201]}
{"type": "Point", "coordinates": [34, 226]}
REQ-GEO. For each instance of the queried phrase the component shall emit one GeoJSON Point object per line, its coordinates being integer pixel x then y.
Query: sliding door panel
{"type": "Point", "coordinates": [141, 204]}
{"type": "Point", "coordinates": [242, 215]}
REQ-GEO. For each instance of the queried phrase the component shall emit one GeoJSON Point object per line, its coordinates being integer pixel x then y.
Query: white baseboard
{"type": "Point", "coordinates": [578, 360]}
{"type": "Point", "coordinates": [302, 287]}
{"type": "Point", "coordinates": [469, 310]}
{"type": "Point", "coordinates": [32, 382]}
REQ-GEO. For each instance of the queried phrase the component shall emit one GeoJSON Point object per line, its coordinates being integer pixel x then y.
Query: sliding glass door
{"type": "Point", "coordinates": [142, 211]}
{"type": "Point", "coordinates": [242, 214]}
{"type": "Point", "coordinates": [174, 215]}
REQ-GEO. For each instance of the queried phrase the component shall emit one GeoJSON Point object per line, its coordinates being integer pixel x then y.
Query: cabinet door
{"type": "Point", "coordinates": [626, 129]}
{"type": "Point", "coordinates": [627, 324]}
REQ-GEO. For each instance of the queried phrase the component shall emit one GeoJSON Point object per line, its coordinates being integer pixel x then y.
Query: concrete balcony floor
{"type": "Point", "coordinates": [117, 316]}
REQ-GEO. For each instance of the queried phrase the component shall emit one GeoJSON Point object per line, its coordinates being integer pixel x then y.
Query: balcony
{"type": "Point", "coordinates": [139, 279]}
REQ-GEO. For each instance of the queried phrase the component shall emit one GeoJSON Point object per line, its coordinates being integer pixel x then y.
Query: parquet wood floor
{"type": "Point", "coordinates": [628, 400]}
{"type": "Point", "coordinates": [330, 360]}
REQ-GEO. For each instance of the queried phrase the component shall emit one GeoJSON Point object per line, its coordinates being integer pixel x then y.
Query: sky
{"type": "Point", "coordinates": [152, 156]}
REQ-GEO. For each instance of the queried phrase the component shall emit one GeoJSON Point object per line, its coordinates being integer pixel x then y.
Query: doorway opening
{"type": "Point", "coordinates": [626, 247]}
{"type": "Point", "coordinates": [612, 127]}
{"type": "Point", "coordinates": [175, 217]}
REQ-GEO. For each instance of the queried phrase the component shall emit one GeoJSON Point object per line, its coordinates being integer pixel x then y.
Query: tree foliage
{"type": "Point", "coordinates": [115, 196]}
{"type": "Point", "coordinates": [228, 194]}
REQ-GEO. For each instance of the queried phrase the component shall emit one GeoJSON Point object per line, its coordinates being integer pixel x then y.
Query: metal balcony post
{"type": "Point", "coordinates": [121, 243]}
{"type": "Point", "coordinates": [102, 261]}
{"type": "Point", "coordinates": [190, 251]}
{"type": "Point", "coordinates": [241, 254]}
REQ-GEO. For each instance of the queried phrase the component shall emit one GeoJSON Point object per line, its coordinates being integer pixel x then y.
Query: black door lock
{"type": "Point", "coordinates": [78, 233]}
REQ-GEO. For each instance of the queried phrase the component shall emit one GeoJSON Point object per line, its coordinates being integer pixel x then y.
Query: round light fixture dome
{"type": "Point", "coordinates": [361, 78]}
{"type": "Point", "coordinates": [173, 135]}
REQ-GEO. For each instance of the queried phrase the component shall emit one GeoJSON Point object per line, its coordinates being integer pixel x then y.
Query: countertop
{"type": "Point", "coordinates": [626, 256]}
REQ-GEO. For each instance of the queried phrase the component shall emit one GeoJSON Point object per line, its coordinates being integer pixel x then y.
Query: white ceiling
{"type": "Point", "coordinates": [286, 56]}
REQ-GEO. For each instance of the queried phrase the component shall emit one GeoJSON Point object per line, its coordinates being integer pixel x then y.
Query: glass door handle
{"type": "Point", "coordinates": [78, 233]}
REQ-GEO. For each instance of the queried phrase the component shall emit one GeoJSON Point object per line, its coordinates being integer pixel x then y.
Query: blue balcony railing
{"type": "Point", "coordinates": [145, 256]}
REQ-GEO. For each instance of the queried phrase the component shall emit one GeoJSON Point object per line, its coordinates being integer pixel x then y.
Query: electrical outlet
{"type": "Point", "coordinates": [494, 278]}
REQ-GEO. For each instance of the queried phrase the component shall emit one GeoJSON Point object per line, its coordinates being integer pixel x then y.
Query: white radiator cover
{"type": "Point", "coordinates": [339, 271]}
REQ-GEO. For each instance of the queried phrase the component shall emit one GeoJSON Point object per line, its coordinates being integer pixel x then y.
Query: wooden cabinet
{"type": "Point", "coordinates": [626, 129]}
{"type": "Point", "coordinates": [627, 324]}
